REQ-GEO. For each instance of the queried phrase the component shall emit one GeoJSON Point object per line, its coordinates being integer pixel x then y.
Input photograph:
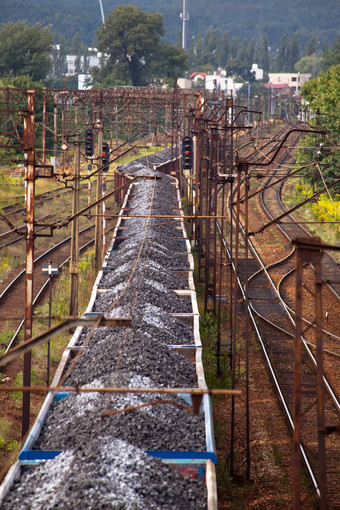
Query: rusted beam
{"type": "Point", "coordinates": [77, 389]}
{"type": "Point", "coordinates": [29, 139]}
{"type": "Point", "coordinates": [74, 256]}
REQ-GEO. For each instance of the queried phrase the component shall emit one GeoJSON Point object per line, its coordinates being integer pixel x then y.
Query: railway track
{"type": "Point", "coordinates": [15, 291]}
{"type": "Point", "coordinates": [12, 215]}
{"type": "Point", "coordinates": [274, 323]}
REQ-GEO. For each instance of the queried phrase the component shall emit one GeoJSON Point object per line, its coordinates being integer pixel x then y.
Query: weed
{"type": "Point", "coordinates": [209, 335]}
{"type": "Point", "coordinates": [11, 445]}
{"type": "Point", "coordinates": [17, 395]}
{"type": "Point", "coordinates": [277, 456]}
{"type": "Point", "coordinates": [5, 427]}
{"type": "Point", "coordinates": [284, 479]}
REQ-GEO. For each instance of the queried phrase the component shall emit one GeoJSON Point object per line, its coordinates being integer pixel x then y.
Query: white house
{"type": "Point", "coordinates": [222, 82]}
{"type": "Point", "coordinates": [71, 61]}
{"type": "Point", "coordinates": [293, 80]}
{"type": "Point", "coordinates": [258, 73]}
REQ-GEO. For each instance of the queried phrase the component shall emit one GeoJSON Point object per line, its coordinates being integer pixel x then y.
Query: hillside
{"type": "Point", "coordinates": [306, 17]}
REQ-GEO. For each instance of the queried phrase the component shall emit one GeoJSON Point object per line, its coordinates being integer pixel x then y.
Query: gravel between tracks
{"type": "Point", "coordinates": [104, 464]}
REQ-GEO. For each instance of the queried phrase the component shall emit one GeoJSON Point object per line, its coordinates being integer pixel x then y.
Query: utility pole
{"type": "Point", "coordinates": [185, 18]}
{"type": "Point", "coordinates": [99, 222]}
{"type": "Point", "coordinates": [29, 140]}
{"type": "Point", "coordinates": [74, 258]}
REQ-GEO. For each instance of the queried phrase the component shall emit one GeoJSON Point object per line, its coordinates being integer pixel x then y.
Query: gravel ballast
{"type": "Point", "coordinates": [103, 463]}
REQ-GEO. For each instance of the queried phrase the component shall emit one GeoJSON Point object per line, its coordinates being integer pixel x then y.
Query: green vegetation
{"type": "Point", "coordinates": [323, 96]}
{"type": "Point", "coordinates": [25, 50]}
{"type": "Point", "coordinates": [60, 297]}
{"type": "Point", "coordinates": [323, 210]}
{"type": "Point", "coordinates": [332, 57]}
{"type": "Point", "coordinates": [132, 40]}
{"type": "Point", "coordinates": [6, 443]}
{"type": "Point", "coordinates": [273, 16]}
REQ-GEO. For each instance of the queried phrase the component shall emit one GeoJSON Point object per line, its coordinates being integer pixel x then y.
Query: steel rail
{"type": "Point", "coordinates": [328, 333]}
{"type": "Point", "coordinates": [50, 250]}
{"type": "Point", "coordinates": [328, 387]}
{"type": "Point", "coordinates": [271, 369]}
{"type": "Point", "coordinates": [279, 225]}
{"type": "Point", "coordinates": [41, 291]}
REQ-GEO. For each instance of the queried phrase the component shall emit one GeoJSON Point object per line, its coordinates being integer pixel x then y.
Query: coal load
{"type": "Point", "coordinates": [103, 464]}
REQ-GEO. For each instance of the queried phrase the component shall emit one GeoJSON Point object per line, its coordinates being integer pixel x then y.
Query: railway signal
{"type": "Point", "coordinates": [106, 156]}
{"type": "Point", "coordinates": [88, 142]}
{"type": "Point", "coordinates": [187, 153]}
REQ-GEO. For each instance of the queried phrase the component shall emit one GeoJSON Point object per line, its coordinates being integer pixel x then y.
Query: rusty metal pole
{"type": "Point", "coordinates": [234, 320]}
{"type": "Point", "coordinates": [99, 222]}
{"type": "Point", "coordinates": [220, 286]}
{"type": "Point", "coordinates": [55, 128]}
{"type": "Point", "coordinates": [246, 254]}
{"type": "Point", "coordinates": [297, 381]}
{"type": "Point", "coordinates": [74, 257]}
{"type": "Point", "coordinates": [207, 235]}
{"type": "Point", "coordinates": [44, 128]}
{"type": "Point", "coordinates": [29, 137]}
{"type": "Point", "coordinates": [320, 382]}
{"type": "Point", "coordinates": [104, 212]}
{"type": "Point", "coordinates": [215, 144]}
{"type": "Point", "coordinates": [63, 130]}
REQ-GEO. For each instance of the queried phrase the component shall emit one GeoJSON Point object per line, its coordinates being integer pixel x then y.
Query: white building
{"type": "Point", "coordinates": [84, 81]}
{"type": "Point", "coordinates": [184, 83]}
{"type": "Point", "coordinates": [258, 73]}
{"type": "Point", "coordinates": [71, 61]}
{"type": "Point", "coordinates": [222, 82]}
{"type": "Point", "coordinates": [293, 80]}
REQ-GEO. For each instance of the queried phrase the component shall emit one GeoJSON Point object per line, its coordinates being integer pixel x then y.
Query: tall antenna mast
{"type": "Point", "coordinates": [102, 11]}
{"type": "Point", "coordinates": [184, 17]}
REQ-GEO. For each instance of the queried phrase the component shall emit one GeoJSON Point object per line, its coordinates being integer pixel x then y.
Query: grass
{"type": "Point", "coordinates": [5, 336]}
{"type": "Point", "coordinates": [60, 308]}
{"type": "Point", "coordinates": [6, 443]}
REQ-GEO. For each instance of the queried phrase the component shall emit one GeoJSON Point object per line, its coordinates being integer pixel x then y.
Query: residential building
{"type": "Point", "coordinates": [220, 81]}
{"type": "Point", "coordinates": [196, 77]}
{"type": "Point", "coordinates": [257, 71]}
{"type": "Point", "coordinates": [293, 80]}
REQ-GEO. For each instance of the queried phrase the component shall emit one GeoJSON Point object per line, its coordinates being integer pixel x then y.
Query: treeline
{"type": "Point", "coordinates": [244, 19]}
{"type": "Point", "coordinates": [209, 51]}
{"type": "Point", "coordinates": [323, 97]}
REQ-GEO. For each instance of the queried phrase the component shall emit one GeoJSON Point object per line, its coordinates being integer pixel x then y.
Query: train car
{"type": "Point", "coordinates": [129, 449]}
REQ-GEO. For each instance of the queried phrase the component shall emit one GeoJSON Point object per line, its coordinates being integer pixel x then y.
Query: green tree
{"type": "Point", "coordinates": [293, 52]}
{"type": "Point", "coordinates": [264, 52]}
{"type": "Point", "coordinates": [331, 57]}
{"type": "Point", "coordinates": [131, 39]}
{"type": "Point", "coordinates": [282, 54]}
{"type": "Point", "coordinates": [323, 95]}
{"type": "Point", "coordinates": [199, 50]}
{"type": "Point", "coordinates": [172, 61]}
{"type": "Point", "coordinates": [234, 47]}
{"type": "Point", "coordinates": [242, 54]}
{"type": "Point", "coordinates": [76, 45]}
{"type": "Point", "coordinates": [308, 64]}
{"type": "Point", "coordinates": [58, 54]}
{"type": "Point", "coordinates": [223, 50]}
{"type": "Point", "coordinates": [311, 46]}
{"type": "Point", "coordinates": [211, 39]}
{"type": "Point", "coordinates": [25, 50]}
